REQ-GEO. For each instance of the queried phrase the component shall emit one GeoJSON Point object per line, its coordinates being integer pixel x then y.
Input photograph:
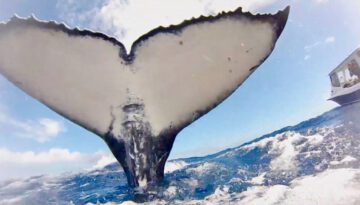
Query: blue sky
{"type": "Point", "coordinates": [291, 86]}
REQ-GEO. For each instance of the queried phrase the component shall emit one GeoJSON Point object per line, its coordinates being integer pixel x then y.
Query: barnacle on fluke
{"type": "Point", "coordinates": [138, 101]}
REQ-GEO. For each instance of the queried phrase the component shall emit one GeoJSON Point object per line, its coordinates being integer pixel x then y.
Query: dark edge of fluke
{"type": "Point", "coordinates": [129, 58]}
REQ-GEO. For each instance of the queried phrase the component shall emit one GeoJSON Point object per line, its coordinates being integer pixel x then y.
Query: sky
{"type": "Point", "coordinates": [292, 85]}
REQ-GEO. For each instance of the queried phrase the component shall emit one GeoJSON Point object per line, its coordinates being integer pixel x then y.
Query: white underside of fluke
{"type": "Point", "coordinates": [174, 75]}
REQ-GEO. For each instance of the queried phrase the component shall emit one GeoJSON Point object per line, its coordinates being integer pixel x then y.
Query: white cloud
{"type": "Point", "coordinates": [321, 1]}
{"type": "Point", "coordinates": [128, 20]}
{"type": "Point", "coordinates": [307, 57]}
{"type": "Point", "coordinates": [309, 47]}
{"type": "Point", "coordinates": [41, 130]}
{"type": "Point", "coordinates": [327, 40]}
{"type": "Point", "coordinates": [56, 160]}
{"type": "Point", "coordinates": [330, 39]}
{"type": "Point", "coordinates": [30, 157]}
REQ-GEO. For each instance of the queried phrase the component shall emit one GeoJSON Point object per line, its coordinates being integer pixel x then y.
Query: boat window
{"type": "Point", "coordinates": [334, 80]}
{"type": "Point", "coordinates": [347, 75]}
{"type": "Point", "coordinates": [341, 77]}
{"type": "Point", "coordinates": [354, 68]}
{"type": "Point", "coordinates": [351, 74]}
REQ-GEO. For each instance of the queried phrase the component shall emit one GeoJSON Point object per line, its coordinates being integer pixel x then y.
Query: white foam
{"type": "Point", "coordinates": [259, 179]}
{"type": "Point", "coordinates": [174, 165]}
{"type": "Point", "coordinates": [203, 168]}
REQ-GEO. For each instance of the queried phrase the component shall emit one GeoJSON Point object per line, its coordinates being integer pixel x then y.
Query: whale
{"type": "Point", "coordinates": [138, 100]}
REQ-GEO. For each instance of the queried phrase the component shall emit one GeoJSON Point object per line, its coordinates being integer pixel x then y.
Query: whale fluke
{"type": "Point", "coordinates": [138, 101]}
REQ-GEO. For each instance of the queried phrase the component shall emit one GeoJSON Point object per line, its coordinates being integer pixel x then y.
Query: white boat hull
{"type": "Point", "coordinates": [347, 98]}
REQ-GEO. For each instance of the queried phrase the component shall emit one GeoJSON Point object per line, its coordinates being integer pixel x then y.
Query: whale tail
{"type": "Point", "coordinates": [137, 101]}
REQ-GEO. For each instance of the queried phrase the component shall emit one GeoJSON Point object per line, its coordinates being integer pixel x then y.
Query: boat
{"type": "Point", "coordinates": [345, 80]}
